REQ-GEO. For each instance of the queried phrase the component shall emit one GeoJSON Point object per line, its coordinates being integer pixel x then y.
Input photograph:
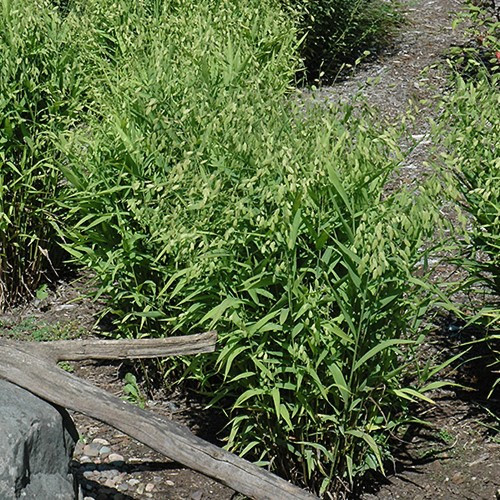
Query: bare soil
{"type": "Point", "coordinates": [455, 456]}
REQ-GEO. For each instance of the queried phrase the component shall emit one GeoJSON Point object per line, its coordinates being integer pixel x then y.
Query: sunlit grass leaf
{"type": "Point", "coordinates": [378, 348]}
{"type": "Point", "coordinates": [412, 395]}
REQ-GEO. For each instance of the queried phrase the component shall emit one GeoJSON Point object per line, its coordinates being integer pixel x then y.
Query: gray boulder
{"type": "Point", "coordinates": [36, 445]}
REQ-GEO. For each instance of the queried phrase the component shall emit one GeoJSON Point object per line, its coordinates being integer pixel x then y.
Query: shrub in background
{"type": "Point", "coordinates": [40, 92]}
{"type": "Point", "coordinates": [480, 56]}
{"type": "Point", "coordinates": [339, 31]}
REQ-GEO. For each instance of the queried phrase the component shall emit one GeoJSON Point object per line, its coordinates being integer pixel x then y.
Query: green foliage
{"type": "Point", "coordinates": [39, 92]}
{"type": "Point", "coordinates": [203, 195]}
{"type": "Point", "coordinates": [339, 31]}
{"type": "Point", "coordinates": [207, 198]}
{"type": "Point", "coordinates": [67, 367]}
{"type": "Point", "coordinates": [472, 130]}
{"type": "Point", "coordinates": [469, 130]}
{"type": "Point", "coordinates": [480, 57]}
{"type": "Point", "coordinates": [32, 329]}
{"type": "Point", "coordinates": [132, 390]}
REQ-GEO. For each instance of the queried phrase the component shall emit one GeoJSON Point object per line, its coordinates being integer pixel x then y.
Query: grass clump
{"type": "Point", "coordinates": [39, 96]}
{"type": "Point", "coordinates": [208, 198]}
{"type": "Point", "coordinates": [479, 57]}
{"type": "Point", "coordinates": [469, 129]}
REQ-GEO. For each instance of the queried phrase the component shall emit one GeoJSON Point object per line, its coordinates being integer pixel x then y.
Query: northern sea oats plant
{"type": "Point", "coordinates": [40, 95]}
{"type": "Point", "coordinates": [208, 198]}
{"type": "Point", "coordinates": [469, 131]}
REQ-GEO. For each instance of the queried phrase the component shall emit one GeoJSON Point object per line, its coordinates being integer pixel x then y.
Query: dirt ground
{"type": "Point", "coordinates": [456, 456]}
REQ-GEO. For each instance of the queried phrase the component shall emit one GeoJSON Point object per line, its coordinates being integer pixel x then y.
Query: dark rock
{"type": "Point", "coordinates": [36, 445]}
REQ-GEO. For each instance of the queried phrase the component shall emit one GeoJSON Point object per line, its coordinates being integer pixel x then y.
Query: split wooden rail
{"type": "Point", "coordinates": [32, 366]}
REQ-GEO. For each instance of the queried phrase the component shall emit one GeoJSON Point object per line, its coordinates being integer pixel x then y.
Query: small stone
{"type": "Point", "coordinates": [134, 482]}
{"type": "Point", "coordinates": [91, 450]}
{"type": "Point", "coordinates": [150, 487]}
{"type": "Point", "coordinates": [140, 489]}
{"type": "Point", "coordinates": [109, 483]}
{"type": "Point", "coordinates": [122, 487]}
{"type": "Point", "coordinates": [110, 474]}
{"type": "Point", "coordinates": [105, 450]}
{"type": "Point", "coordinates": [197, 495]}
{"type": "Point", "coordinates": [149, 495]}
{"type": "Point", "coordinates": [85, 460]}
{"type": "Point", "coordinates": [88, 474]}
{"type": "Point", "coordinates": [114, 457]}
{"type": "Point", "coordinates": [171, 406]}
{"type": "Point", "coordinates": [102, 442]}
{"type": "Point", "coordinates": [169, 483]}
{"type": "Point", "coordinates": [79, 448]}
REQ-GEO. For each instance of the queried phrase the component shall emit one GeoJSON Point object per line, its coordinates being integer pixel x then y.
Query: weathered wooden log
{"type": "Point", "coordinates": [23, 366]}
{"type": "Point", "coordinates": [77, 350]}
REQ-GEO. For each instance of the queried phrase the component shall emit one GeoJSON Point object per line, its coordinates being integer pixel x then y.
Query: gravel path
{"type": "Point", "coordinates": [397, 77]}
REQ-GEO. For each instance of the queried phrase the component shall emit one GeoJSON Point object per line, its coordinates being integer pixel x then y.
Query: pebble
{"type": "Point", "coordinates": [114, 457]}
{"type": "Point", "coordinates": [103, 477]}
{"type": "Point", "coordinates": [110, 474]}
{"type": "Point", "coordinates": [102, 442]}
{"type": "Point", "coordinates": [197, 495]}
{"type": "Point", "coordinates": [109, 483]}
{"type": "Point", "coordinates": [79, 448]}
{"type": "Point", "coordinates": [91, 450]}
